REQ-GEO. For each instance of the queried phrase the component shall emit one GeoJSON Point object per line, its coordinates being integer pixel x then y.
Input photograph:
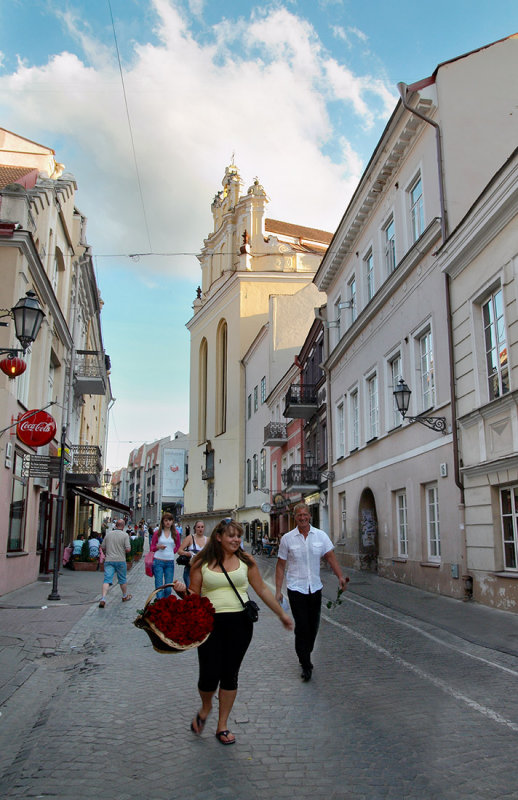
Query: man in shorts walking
{"type": "Point", "coordinates": [116, 544]}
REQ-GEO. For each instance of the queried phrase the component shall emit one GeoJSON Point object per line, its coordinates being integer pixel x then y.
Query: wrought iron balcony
{"type": "Point", "coordinates": [86, 466]}
{"type": "Point", "coordinates": [301, 402]}
{"type": "Point", "coordinates": [90, 372]}
{"type": "Point", "coordinates": [301, 478]}
{"type": "Point", "coordinates": [275, 434]}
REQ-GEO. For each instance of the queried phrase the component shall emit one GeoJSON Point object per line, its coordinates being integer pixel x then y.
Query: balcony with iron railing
{"type": "Point", "coordinates": [301, 401]}
{"type": "Point", "coordinates": [275, 434]}
{"type": "Point", "coordinates": [90, 376]}
{"type": "Point", "coordinates": [86, 465]}
{"type": "Point", "coordinates": [301, 478]}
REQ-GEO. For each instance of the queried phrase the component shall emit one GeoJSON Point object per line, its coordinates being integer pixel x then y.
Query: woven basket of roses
{"type": "Point", "coordinates": [174, 624]}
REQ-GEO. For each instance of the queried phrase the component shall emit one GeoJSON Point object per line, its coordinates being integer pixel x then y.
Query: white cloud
{"type": "Point", "coordinates": [259, 86]}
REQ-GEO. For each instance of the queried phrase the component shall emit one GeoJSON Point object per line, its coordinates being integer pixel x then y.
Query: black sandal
{"type": "Point", "coordinates": [226, 734]}
{"type": "Point", "coordinates": [200, 724]}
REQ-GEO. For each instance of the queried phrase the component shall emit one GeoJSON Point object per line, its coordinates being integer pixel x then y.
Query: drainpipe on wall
{"type": "Point", "coordinates": [404, 92]}
{"type": "Point", "coordinates": [468, 580]}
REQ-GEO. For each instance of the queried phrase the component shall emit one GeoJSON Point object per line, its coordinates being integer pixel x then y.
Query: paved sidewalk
{"type": "Point", "coordinates": [32, 627]}
{"type": "Point", "coordinates": [106, 716]}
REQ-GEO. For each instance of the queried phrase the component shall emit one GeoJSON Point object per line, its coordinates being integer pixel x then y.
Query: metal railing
{"type": "Point", "coordinates": [86, 459]}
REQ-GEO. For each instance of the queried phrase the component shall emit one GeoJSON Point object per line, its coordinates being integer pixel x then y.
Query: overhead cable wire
{"type": "Point", "coordinates": [130, 128]}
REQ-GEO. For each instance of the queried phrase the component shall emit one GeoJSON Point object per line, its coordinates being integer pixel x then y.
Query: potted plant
{"type": "Point", "coordinates": [84, 561]}
{"type": "Point", "coordinates": [137, 546]}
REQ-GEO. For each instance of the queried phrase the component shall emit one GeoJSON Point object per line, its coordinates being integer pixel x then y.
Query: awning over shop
{"type": "Point", "coordinates": [101, 500]}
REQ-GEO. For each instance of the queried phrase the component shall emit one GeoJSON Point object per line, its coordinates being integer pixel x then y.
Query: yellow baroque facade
{"type": "Point", "coordinates": [246, 260]}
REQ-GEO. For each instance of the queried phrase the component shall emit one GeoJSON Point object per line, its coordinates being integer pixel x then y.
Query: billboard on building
{"type": "Point", "coordinates": [173, 472]}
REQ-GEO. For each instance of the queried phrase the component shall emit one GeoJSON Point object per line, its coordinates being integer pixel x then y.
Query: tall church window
{"type": "Point", "coordinates": [221, 377]}
{"type": "Point", "coordinates": [202, 390]}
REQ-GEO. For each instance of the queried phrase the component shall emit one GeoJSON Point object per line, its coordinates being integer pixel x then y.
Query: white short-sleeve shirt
{"type": "Point", "coordinates": [302, 556]}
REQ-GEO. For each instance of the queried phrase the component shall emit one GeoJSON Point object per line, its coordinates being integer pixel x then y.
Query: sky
{"type": "Point", "coordinates": [147, 101]}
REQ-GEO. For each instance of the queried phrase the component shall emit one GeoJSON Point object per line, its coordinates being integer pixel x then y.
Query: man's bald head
{"type": "Point", "coordinates": [119, 525]}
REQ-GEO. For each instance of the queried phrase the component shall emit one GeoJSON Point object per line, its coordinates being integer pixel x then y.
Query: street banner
{"type": "Point", "coordinates": [173, 472]}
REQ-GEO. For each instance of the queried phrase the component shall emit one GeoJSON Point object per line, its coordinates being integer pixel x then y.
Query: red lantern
{"type": "Point", "coordinates": [13, 367]}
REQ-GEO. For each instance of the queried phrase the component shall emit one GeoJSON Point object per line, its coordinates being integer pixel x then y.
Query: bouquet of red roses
{"type": "Point", "coordinates": [175, 625]}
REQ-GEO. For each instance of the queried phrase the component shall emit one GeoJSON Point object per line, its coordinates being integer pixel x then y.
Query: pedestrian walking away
{"type": "Point", "coordinates": [221, 655]}
{"type": "Point", "coordinates": [164, 544]}
{"type": "Point", "coordinates": [115, 545]}
{"type": "Point", "coordinates": [192, 544]}
{"type": "Point", "coordinates": [300, 552]}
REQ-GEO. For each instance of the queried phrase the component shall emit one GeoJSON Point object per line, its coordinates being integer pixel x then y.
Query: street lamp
{"type": "Point", "coordinates": [28, 316]}
{"type": "Point", "coordinates": [257, 488]}
{"type": "Point", "coordinates": [107, 476]}
{"type": "Point", "coordinates": [309, 458]}
{"type": "Point", "coordinates": [402, 396]}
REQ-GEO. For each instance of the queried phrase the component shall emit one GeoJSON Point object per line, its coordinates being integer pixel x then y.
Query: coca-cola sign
{"type": "Point", "coordinates": [36, 428]}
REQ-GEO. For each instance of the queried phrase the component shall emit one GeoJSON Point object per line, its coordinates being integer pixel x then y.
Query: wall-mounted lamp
{"type": "Point", "coordinates": [309, 458]}
{"type": "Point", "coordinates": [28, 316]}
{"type": "Point", "coordinates": [257, 488]}
{"type": "Point", "coordinates": [402, 394]}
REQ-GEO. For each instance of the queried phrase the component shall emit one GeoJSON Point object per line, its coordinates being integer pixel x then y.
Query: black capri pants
{"type": "Point", "coordinates": [221, 655]}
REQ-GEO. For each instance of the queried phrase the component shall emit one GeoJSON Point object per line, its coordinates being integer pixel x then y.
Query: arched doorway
{"type": "Point", "coordinates": [368, 539]}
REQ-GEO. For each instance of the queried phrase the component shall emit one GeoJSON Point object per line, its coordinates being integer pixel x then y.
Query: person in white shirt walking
{"type": "Point", "coordinates": [300, 551]}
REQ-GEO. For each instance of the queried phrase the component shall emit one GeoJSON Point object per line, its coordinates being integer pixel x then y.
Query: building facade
{"type": "Point", "coordinates": [480, 258]}
{"type": "Point", "coordinates": [43, 249]}
{"type": "Point", "coordinates": [397, 497]}
{"type": "Point", "coordinates": [246, 260]}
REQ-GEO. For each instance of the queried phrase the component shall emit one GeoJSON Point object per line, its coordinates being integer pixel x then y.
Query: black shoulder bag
{"type": "Point", "coordinates": [251, 607]}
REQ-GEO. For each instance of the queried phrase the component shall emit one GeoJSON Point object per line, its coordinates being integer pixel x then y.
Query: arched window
{"type": "Point", "coordinates": [221, 377]}
{"type": "Point", "coordinates": [202, 392]}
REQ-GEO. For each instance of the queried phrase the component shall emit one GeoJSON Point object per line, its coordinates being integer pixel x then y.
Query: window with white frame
{"type": "Point", "coordinates": [50, 383]}
{"type": "Point", "coordinates": [22, 382]}
{"type": "Point", "coordinates": [275, 485]}
{"type": "Point", "coordinates": [262, 473]}
{"type": "Point", "coordinates": [354, 419]}
{"type": "Point", "coordinates": [495, 345]}
{"type": "Point", "coordinates": [368, 266]}
{"type": "Point", "coordinates": [255, 470]}
{"type": "Point", "coordinates": [337, 318]}
{"type": "Point", "coordinates": [340, 430]}
{"type": "Point", "coordinates": [426, 367]}
{"type": "Point", "coordinates": [343, 513]}
{"type": "Point", "coordinates": [389, 237]}
{"type": "Point", "coordinates": [402, 523]}
{"type": "Point", "coordinates": [416, 208]}
{"type": "Point", "coordinates": [509, 512]}
{"type": "Point", "coordinates": [352, 298]}
{"type": "Point", "coordinates": [432, 522]}
{"type": "Point", "coordinates": [16, 534]}
{"type": "Point", "coordinates": [395, 376]}
{"type": "Point", "coordinates": [373, 406]}
{"type": "Point", "coordinates": [263, 389]}
{"type": "Point", "coordinates": [256, 398]}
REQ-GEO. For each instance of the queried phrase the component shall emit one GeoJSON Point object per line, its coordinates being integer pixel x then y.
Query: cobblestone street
{"type": "Point", "coordinates": [399, 707]}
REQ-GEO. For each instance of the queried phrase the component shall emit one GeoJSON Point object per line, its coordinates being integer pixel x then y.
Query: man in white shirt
{"type": "Point", "coordinates": [300, 552]}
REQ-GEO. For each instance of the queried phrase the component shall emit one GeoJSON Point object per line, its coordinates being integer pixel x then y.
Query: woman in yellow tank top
{"type": "Point", "coordinates": [221, 655]}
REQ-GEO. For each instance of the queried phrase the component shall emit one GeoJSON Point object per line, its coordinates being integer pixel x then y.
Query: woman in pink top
{"type": "Point", "coordinates": [164, 544]}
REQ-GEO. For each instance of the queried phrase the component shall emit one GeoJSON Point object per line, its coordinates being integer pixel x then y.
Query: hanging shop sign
{"type": "Point", "coordinates": [36, 428]}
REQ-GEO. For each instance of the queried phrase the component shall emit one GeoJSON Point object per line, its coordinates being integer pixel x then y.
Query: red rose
{"type": "Point", "coordinates": [183, 621]}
